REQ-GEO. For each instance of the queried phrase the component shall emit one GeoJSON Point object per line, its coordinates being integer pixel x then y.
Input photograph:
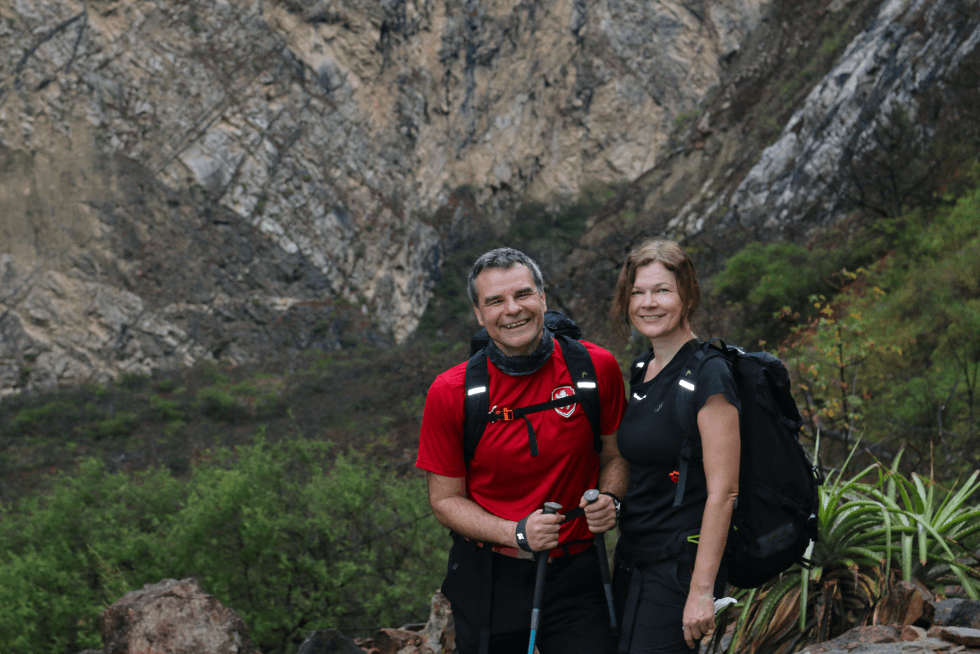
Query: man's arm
{"type": "Point", "coordinates": [453, 509]}
{"type": "Point", "coordinates": [614, 477]}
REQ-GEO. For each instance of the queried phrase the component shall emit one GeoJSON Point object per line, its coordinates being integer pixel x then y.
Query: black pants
{"type": "Point", "coordinates": [574, 615]}
{"type": "Point", "coordinates": [650, 603]}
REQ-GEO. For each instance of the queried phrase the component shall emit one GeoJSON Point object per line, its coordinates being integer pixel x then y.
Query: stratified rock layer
{"type": "Point", "coordinates": [328, 130]}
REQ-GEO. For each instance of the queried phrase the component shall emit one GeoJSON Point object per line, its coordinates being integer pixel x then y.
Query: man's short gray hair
{"type": "Point", "coordinates": [504, 258]}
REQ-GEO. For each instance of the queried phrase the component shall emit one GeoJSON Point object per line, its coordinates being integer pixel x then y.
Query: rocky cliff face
{"type": "Point", "coordinates": [859, 124]}
{"type": "Point", "coordinates": [223, 179]}
{"type": "Point", "coordinates": [829, 108]}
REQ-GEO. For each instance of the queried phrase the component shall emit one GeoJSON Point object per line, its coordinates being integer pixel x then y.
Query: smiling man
{"type": "Point", "coordinates": [492, 501]}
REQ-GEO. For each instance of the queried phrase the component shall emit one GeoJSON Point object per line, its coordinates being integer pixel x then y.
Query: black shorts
{"type": "Point", "coordinates": [574, 615]}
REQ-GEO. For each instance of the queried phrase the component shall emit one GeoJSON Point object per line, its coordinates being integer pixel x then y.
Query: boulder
{"type": "Point", "coordinates": [905, 604]}
{"type": "Point", "coordinates": [958, 613]}
{"type": "Point", "coordinates": [173, 617]}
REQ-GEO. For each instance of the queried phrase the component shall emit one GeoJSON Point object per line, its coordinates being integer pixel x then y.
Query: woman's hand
{"type": "Point", "coordinates": [699, 617]}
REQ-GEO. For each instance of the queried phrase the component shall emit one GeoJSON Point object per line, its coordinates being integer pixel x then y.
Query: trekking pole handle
{"type": "Point", "coordinates": [552, 507]}
{"type": "Point", "coordinates": [549, 508]}
{"type": "Point", "coordinates": [591, 496]}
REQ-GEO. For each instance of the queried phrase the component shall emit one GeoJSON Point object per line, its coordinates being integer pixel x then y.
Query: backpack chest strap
{"type": "Point", "coordinates": [507, 415]}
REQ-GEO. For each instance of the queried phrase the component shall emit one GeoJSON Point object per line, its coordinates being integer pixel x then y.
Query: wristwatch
{"type": "Point", "coordinates": [616, 502]}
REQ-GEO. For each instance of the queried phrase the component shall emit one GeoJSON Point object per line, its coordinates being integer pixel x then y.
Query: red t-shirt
{"type": "Point", "coordinates": [503, 477]}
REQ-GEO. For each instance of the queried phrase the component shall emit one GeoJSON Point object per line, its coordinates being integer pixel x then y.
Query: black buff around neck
{"type": "Point", "coordinates": [523, 364]}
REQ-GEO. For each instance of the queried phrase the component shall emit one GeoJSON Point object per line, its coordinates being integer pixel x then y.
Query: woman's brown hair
{"type": "Point", "coordinates": [674, 259]}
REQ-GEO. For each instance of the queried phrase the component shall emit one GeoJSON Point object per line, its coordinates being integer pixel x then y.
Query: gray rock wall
{"type": "Point", "coordinates": [330, 130]}
{"type": "Point", "coordinates": [908, 54]}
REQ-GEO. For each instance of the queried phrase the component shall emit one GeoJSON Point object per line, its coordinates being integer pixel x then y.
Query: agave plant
{"type": "Point", "coordinates": [838, 590]}
{"type": "Point", "coordinates": [937, 547]}
{"type": "Point", "coordinates": [864, 527]}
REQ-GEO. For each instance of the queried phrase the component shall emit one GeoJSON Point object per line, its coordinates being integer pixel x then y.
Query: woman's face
{"type": "Point", "coordinates": [656, 308]}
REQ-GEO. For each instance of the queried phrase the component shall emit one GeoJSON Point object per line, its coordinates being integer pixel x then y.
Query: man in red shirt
{"type": "Point", "coordinates": [493, 503]}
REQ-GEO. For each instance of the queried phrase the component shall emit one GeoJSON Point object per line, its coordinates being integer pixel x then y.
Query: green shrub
{"type": "Point", "coordinates": [120, 425]}
{"type": "Point", "coordinates": [167, 410]}
{"type": "Point", "coordinates": [217, 403]}
{"type": "Point", "coordinates": [291, 536]}
{"type": "Point", "coordinates": [132, 381]}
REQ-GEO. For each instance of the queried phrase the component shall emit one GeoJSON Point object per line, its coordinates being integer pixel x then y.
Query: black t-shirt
{"type": "Point", "coordinates": [650, 439]}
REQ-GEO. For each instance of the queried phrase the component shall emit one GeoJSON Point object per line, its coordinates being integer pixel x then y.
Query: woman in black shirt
{"type": "Point", "coordinates": [669, 558]}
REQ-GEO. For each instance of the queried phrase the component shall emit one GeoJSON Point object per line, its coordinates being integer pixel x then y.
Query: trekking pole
{"type": "Point", "coordinates": [549, 507]}
{"type": "Point", "coordinates": [591, 496]}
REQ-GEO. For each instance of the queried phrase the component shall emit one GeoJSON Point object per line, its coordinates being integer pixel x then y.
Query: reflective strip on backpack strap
{"type": "Point", "coordinates": [478, 389]}
{"type": "Point", "coordinates": [585, 384]}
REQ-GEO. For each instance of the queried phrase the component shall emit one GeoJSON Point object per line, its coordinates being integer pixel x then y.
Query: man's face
{"type": "Point", "coordinates": [511, 308]}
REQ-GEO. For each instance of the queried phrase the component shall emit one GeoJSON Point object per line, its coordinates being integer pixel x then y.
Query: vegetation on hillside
{"type": "Point", "coordinates": [294, 536]}
{"type": "Point", "coordinates": [879, 333]}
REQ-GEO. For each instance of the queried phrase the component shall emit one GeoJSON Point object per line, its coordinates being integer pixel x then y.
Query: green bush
{"type": "Point", "coordinates": [217, 403]}
{"type": "Point", "coordinates": [118, 426]}
{"type": "Point", "coordinates": [291, 536]}
{"type": "Point", "coordinates": [167, 410]}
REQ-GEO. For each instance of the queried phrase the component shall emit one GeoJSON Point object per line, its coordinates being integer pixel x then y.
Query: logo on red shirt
{"type": "Point", "coordinates": [560, 392]}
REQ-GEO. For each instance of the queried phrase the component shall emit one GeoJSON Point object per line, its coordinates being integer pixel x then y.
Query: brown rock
{"type": "Point", "coordinates": [905, 604]}
{"type": "Point", "coordinates": [859, 637]}
{"type": "Point", "coordinates": [961, 636]}
{"type": "Point", "coordinates": [173, 617]}
{"type": "Point", "coordinates": [437, 636]}
{"type": "Point", "coordinates": [911, 632]}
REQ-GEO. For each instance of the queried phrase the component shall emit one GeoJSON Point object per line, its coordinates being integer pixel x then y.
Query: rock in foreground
{"type": "Point", "coordinates": [173, 616]}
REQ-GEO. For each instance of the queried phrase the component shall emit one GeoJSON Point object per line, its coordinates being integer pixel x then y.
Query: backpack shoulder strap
{"type": "Point", "coordinates": [584, 380]}
{"type": "Point", "coordinates": [686, 415]}
{"type": "Point", "coordinates": [476, 403]}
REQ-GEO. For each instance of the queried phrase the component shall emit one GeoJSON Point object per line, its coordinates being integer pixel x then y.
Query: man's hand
{"type": "Point", "coordinates": [601, 514]}
{"type": "Point", "coordinates": [542, 530]}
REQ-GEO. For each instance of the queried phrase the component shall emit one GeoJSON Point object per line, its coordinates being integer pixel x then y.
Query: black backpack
{"type": "Point", "coordinates": [775, 516]}
{"type": "Point", "coordinates": [477, 400]}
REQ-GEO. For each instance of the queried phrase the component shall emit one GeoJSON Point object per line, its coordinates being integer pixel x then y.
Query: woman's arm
{"type": "Point", "coordinates": [718, 424]}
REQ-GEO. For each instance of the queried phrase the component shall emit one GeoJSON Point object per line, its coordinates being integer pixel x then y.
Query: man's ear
{"type": "Point", "coordinates": [479, 317]}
